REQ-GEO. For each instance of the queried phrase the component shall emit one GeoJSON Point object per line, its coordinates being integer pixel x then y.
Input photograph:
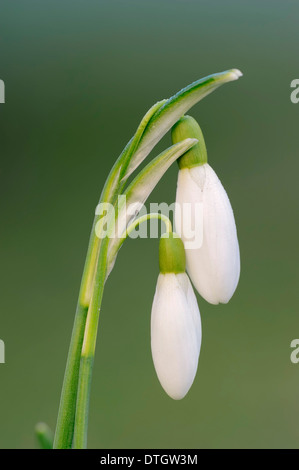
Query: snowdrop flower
{"type": "Point", "coordinates": [175, 321]}
{"type": "Point", "coordinates": [214, 266]}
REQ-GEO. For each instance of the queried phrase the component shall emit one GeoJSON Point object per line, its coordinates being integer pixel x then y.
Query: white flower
{"type": "Point", "coordinates": [214, 267]}
{"type": "Point", "coordinates": [175, 333]}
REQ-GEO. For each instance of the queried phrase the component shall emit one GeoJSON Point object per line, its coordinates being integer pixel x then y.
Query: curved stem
{"type": "Point", "coordinates": [131, 227]}
{"type": "Point", "coordinates": [88, 351]}
{"type": "Point", "coordinates": [144, 218]}
{"type": "Point", "coordinates": [66, 414]}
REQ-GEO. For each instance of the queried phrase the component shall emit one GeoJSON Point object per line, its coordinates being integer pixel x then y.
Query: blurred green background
{"type": "Point", "coordinates": [79, 76]}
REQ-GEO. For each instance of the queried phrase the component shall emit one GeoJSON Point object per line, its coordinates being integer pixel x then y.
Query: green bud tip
{"type": "Point", "coordinates": [44, 435]}
{"type": "Point", "coordinates": [187, 127]}
{"type": "Point", "coordinates": [172, 257]}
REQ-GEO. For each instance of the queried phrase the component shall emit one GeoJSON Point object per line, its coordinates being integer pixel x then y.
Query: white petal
{"type": "Point", "coordinates": [175, 333]}
{"type": "Point", "coordinates": [214, 267]}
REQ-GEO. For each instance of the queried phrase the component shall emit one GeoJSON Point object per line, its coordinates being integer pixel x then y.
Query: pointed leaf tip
{"type": "Point", "coordinates": [173, 109]}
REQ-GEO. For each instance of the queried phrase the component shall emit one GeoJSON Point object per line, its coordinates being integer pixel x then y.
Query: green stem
{"type": "Point", "coordinates": [66, 415]}
{"type": "Point", "coordinates": [132, 226]}
{"type": "Point", "coordinates": [88, 351]}
{"type": "Point", "coordinates": [144, 218]}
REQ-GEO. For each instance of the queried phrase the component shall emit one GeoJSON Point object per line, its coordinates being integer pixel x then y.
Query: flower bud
{"type": "Point", "coordinates": [175, 322]}
{"type": "Point", "coordinates": [172, 257]}
{"type": "Point", "coordinates": [197, 155]}
{"type": "Point", "coordinates": [214, 266]}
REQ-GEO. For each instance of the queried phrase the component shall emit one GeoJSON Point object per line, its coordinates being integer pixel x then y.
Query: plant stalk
{"type": "Point", "coordinates": [88, 351]}
{"type": "Point", "coordinates": [66, 415]}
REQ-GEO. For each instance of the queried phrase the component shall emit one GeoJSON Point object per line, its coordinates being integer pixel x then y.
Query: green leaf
{"type": "Point", "coordinates": [173, 109]}
{"type": "Point", "coordinates": [139, 133]}
{"type": "Point", "coordinates": [119, 168]}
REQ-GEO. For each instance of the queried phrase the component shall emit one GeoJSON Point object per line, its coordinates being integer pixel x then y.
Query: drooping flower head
{"type": "Point", "coordinates": [213, 263]}
{"type": "Point", "coordinates": [175, 321]}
